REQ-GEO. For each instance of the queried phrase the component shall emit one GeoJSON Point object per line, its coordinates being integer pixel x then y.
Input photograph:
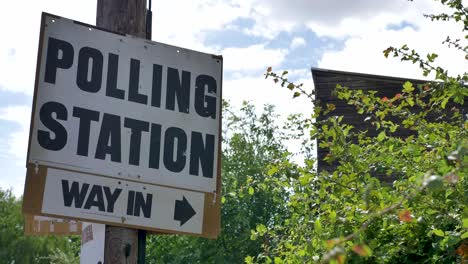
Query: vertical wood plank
{"type": "Point", "coordinates": [127, 17]}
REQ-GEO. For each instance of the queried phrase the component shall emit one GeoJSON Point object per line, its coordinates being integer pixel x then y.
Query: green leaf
{"type": "Point", "coordinates": [439, 232]}
{"type": "Point", "coordinates": [253, 235]}
{"type": "Point", "coordinates": [296, 94]}
{"type": "Point", "coordinates": [290, 86]}
{"type": "Point", "coordinates": [410, 101]}
{"type": "Point", "coordinates": [261, 229]}
{"type": "Point", "coordinates": [408, 87]}
{"type": "Point", "coordinates": [464, 235]}
{"type": "Point", "coordinates": [278, 260]}
{"type": "Point", "coordinates": [444, 102]}
{"type": "Point", "coordinates": [318, 226]}
{"type": "Point", "coordinates": [380, 114]}
{"type": "Point", "coordinates": [431, 57]}
{"type": "Point", "coordinates": [381, 136]}
{"type": "Point", "coordinates": [304, 180]}
{"type": "Point", "coordinates": [333, 216]}
{"type": "Point", "coordinates": [272, 170]}
{"type": "Point", "coordinates": [251, 190]}
{"type": "Point", "coordinates": [465, 222]}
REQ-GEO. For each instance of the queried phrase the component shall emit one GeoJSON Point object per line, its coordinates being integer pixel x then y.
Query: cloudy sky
{"type": "Point", "coordinates": [250, 34]}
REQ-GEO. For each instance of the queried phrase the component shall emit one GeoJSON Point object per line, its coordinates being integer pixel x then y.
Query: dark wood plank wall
{"type": "Point", "coordinates": [325, 82]}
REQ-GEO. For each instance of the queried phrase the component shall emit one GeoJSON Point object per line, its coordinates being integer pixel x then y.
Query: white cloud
{"type": "Point", "coordinates": [12, 178]}
{"type": "Point", "coordinates": [351, 25]}
{"type": "Point", "coordinates": [363, 52]}
{"type": "Point", "coordinates": [336, 18]}
{"type": "Point", "coordinates": [20, 34]}
{"type": "Point", "coordinates": [328, 12]}
{"type": "Point", "coordinates": [297, 42]}
{"type": "Point", "coordinates": [18, 54]}
{"type": "Point", "coordinates": [252, 58]}
{"type": "Point", "coordinates": [184, 23]}
{"type": "Point", "coordinates": [18, 140]}
{"type": "Point", "coordinates": [260, 92]}
{"type": "Point", "coordinates": [267, 28]}
{"type": "Point", "coordinates": [14, 147]}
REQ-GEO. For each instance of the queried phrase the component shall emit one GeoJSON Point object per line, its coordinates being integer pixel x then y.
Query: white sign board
{"type": "Point", "coordinates": [124, 131]}
{"type": "Point", "coordinates": [72, 194]}
{"type": "Point", "coordinates": [124, 107]}
{"type": "Point", "coordinates": [92, 243]}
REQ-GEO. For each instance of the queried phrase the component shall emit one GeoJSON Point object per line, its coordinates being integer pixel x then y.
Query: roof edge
{"type": "Point", "coordinates": [367, 75]}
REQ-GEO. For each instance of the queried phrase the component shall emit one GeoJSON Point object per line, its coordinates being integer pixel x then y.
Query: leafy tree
{"type": "Point", "coordinates": [250, 144]}
{"type": "Point", "coordinates": [60, 256]}
{"type": "Point", "coordinates": [347, 214]}
{"type": "Point", "coordinates": [15, 247]}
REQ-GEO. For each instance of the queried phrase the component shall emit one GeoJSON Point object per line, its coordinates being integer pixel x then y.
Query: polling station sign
{"type": "Point", "coordinates": [125, 107]}
{"type": "Point", "coordinates": [115, 106]}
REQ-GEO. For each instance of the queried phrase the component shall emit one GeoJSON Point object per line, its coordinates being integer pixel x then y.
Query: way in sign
{"type": "Point", "coordinates": [115, 201]}
{"type": "Point", "coordinates": [103, 198]}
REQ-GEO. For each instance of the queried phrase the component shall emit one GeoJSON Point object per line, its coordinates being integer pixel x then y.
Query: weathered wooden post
{"type": "Point", "coordinates": [129, 17]}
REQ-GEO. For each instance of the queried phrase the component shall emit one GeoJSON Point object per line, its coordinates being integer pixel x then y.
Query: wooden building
{"type": "Point", "coordinates": [325, 82]}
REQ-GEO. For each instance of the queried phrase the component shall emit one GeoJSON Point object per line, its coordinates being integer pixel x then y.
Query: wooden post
{"type": "Point", "coordinates": [128, 17]}
{"type": "Point", "coordinates": [123, 16]}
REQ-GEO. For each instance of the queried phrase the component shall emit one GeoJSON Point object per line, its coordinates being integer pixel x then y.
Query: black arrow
{"type": "Point", "coordinates": [183, 211]}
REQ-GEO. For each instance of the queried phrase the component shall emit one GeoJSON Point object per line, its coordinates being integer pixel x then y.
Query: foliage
{"type": "Point", "coordinates": [15, 247]}
{"type": "Point", "coordinates": [250, 143]}
{"type": "Point", "coordinates": [349, 215]}
{"type": "Point", "coordinates": [59, 256]}
{"type": "Point", "coordinates": [277, 211]}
